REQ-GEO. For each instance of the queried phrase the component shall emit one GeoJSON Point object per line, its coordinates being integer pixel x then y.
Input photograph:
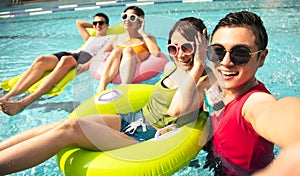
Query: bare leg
{"type": "Point", "coordinates": [27, 135]}
{"type": "Point", "coordinates": [39, 148]}
{"type": "Point", "coordinates": [111, 69]}
{"type": "Point", "coordinates": [128, 65]}
{"type": "Point", "coordinates": [32, 75]}
{"type": "Point", "coordinates": [64, 65]}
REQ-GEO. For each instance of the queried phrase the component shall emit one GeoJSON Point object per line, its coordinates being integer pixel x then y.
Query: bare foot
{"type": "Point", "coordinates": [100, 88]}
{"type": "Point", "coordinates": [2, 99]}
{"type": "Point", "coordinates": [11, 108]}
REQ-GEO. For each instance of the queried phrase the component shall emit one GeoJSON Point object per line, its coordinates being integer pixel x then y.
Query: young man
{"type": "Point", "coordinates": [248, 120]}
{"type": "Point", "coordinates": [100, 25]}
{"type": "Point", "coordinates": [60, 64]}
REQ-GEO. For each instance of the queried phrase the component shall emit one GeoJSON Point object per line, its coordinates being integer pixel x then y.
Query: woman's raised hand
{"type": "Point", "coordinates": [141, 30]}
{"type": "Point", "coordinates": [200, 52]}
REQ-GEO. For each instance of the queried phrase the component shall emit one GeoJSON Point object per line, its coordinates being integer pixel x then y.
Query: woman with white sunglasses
{"type": "Point", "coordinates": [176, 94]}
{"type": "Point", "coordinates": [130, 48]}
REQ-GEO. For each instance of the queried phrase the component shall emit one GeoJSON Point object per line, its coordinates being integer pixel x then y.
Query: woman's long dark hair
{"type": "Point", "coordinates": [138, 11]}
{"type": "Point", "coordinates": [188, 27]}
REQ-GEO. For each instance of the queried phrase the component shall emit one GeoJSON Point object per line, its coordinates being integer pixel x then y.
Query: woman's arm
{"type": "Point", "coordinates": [189, 95]}
{"type": "Point", "coordinates": [81, 26]}
{"type": "Point", "coordinates": [149, 40]}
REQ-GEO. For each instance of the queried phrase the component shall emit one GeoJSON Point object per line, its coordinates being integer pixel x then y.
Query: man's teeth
{"type": "Point", "coordinates": [229, 73]}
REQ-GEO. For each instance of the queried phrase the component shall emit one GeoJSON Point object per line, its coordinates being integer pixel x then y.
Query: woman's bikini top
{"type": "Point", "coordinates": [138, 49]}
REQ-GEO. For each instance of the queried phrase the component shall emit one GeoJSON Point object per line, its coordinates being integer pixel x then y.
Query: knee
{"type": "Point", "coordinates": [118, 50]}
{"type": "Point", "coordinates": [129, 54]}
{"type": "Point", "coordinates": [67, 131]}
{"type": "Point", "coordinates": [41, 60]}
{"type": "Point", "coordinates": [68, 125]}
{"type": "Point", "coordinates": [116, 53]}
{"type": "Point", "coordinates": [128, 51]}
{"type": "Point", "coordinates": [43, 63]}
{"type": "Point", "coordinates": [68, 62]}
{"type": "Point", "coordinates": [114, 57]}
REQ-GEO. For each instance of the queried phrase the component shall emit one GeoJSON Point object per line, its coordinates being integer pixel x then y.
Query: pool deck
{"type": "Point", "coordinates": [83, 6]}
{"type": "Point", "coordinates": [22, 2]}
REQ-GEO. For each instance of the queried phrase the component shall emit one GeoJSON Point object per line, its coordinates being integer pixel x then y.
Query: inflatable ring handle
{"type": "Point", "coordinates": [171, 131]}
{"type": "Point", "coordinates": [108, 96]}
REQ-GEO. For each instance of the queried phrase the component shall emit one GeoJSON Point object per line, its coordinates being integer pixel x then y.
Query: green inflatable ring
{"type": "Point", "coordinates": [164, 155]}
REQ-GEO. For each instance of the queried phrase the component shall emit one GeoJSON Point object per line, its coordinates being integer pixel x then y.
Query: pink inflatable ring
{"type": "Point", "coordinates": [144, 70]}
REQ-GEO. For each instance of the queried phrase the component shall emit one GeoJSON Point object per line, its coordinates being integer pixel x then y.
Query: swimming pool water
{"type": "Point", "coordinates": [22, 39]}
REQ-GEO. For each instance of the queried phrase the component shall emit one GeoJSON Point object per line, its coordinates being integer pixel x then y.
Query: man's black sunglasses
{"type": "Point", "coordinates": [98, 22]}
{"type": "Point", "coordinates": [239, 54]}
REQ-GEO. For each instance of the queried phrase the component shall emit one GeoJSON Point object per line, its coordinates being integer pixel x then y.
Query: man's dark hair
{"type": "Point", "coordinates": [249, 20]}
{"type": "Point", "coordinates": [104, 16]}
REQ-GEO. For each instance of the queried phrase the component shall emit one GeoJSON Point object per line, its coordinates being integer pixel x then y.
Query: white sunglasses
{"type": "Point", "coordinates": [131, 17]}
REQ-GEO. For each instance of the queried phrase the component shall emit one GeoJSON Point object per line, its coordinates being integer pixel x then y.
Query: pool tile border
{"type": "Point", "coordinates": [88, 6]}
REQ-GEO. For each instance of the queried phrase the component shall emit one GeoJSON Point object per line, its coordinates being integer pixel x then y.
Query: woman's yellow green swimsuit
{"type": "Point", "coordinates": [156, 110]}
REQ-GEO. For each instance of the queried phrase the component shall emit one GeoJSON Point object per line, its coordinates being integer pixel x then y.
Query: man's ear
{"type": "Point", "coordinates": [204, 32]}
{"type": "Point", "coordinates": [262, 57]}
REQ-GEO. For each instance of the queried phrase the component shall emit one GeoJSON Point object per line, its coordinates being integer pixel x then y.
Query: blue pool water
{"type": "Point", "coordinates": [25, 37]}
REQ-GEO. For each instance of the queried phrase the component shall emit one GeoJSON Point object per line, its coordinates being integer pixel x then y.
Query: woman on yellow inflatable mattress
{"type": "Point", "coordinates": [177, 93]}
